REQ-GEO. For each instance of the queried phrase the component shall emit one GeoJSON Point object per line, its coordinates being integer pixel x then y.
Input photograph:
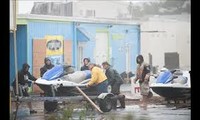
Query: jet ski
{"type": "Point", "coordinates": [173, 84]}
{"type": "Point", "coordinates": [61, 80]}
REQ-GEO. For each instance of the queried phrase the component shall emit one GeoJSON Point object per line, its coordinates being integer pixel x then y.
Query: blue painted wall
{"type": "Point", "coordinates": [21, 50]}
{"type": "Point", "coordinates": [90, 30]}
{"type": "Point", "coordinates": [130, 35]}
{"type": "Point", "coordinates": [39, 29]}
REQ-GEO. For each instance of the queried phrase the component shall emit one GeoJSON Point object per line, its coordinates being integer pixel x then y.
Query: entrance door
{"type": "Point", "coordinates": [101, 48]}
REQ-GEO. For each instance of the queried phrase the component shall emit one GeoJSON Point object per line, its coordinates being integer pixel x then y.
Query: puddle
{"type": "Point", "coordinates": [131, 112]}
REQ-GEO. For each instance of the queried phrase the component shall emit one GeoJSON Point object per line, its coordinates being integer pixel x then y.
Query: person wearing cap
{"type": "Point", "coordinates": [24, 80]}
{"type": "Point", "coordinates": [48, 65]}
{"type": "Point", "coordinates": [115, 81]}
{"type": "Point", "coordinates": [98, 79]}
{"type": "Point", "coordinates": [85, 64]}
{"type": "Point", "coordinates": [143, 75]}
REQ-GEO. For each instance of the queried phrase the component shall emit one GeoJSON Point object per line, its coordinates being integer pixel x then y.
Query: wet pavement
{"type": "Point", "coordinates": [155, 111]}
{"type": "Point", "coordinates": [131, 112]}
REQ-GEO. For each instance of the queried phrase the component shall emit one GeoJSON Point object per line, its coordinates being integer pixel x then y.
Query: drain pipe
{"type": "Point", "coordinates": [15, 53]}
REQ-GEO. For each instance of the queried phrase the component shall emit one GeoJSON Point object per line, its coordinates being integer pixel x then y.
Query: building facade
{"type": "Point", "coordinates": [166, 41]}
{"type": "Point", "coordinates": [69, 40]}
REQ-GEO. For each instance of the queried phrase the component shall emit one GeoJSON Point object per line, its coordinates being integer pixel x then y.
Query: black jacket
{"type": "Point", "coordinates": [113, 77]}
{"type": "Point", "coordinates": [84, 67]}
{"type": "Point", "coordinates": [45, 68]}
{"type": "Point", "coordinates": [146, 70]}
{"type": "Point", "coordinates": [21, 77]}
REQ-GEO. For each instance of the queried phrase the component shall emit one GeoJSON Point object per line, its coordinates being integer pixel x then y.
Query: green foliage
{"type": "Point", "coordinates": [52, 117]}
{"type": "Point", "coordinates": [82, 115]}
{"type": "Point", "coordinates": [129, 117]}
{"type": "Point", "coordinates": [67, 113]}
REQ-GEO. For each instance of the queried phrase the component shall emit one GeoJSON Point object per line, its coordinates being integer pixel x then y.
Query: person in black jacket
{"type": "Point", "coordinates": [85, 62]}
{"type": "Point", "coordinates": [115, 80]}
{"type": "Point", "coordinates": [24, 80]}
{"type": "Point", "coordinates": [48, 65]}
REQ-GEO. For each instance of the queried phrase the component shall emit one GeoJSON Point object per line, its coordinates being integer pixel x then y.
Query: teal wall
{"type": "Point", "coordinates": [21, 41]}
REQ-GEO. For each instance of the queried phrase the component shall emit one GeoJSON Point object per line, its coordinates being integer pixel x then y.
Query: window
{"type": "Point", "coordinates": [90, 13]}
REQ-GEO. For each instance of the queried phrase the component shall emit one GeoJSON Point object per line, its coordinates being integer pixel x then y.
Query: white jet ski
{"type": "Point", "coordinates": [174, 84]}
{"type": "Point", "coordinates": [61, 80]}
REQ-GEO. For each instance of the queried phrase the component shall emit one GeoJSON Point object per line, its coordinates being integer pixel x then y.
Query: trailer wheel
{"type": "Point", "coordinates": [105, 104]}
{"type": "Point", "coordinates": [50, 106]}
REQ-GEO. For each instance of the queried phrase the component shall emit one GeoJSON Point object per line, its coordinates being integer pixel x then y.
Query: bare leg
{"type": "Point", "coordinates": [30, 105]}
{"type": "Point", "coordinates": [144, 101]}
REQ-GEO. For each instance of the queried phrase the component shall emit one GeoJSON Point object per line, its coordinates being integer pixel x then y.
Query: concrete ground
{"type": "Point", "coordinates": [131, 112]}
{"type": "Point", "coordinates": [156, 110]}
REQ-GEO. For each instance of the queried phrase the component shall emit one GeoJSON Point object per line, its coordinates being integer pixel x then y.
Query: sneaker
{"type": "Point", "coordinates": [33, 111]}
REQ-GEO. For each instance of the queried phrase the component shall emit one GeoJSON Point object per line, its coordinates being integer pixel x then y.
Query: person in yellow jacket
{"type": "Point", "coordinates": [98, 79]}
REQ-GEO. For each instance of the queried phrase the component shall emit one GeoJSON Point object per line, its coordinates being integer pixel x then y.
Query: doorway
{"type": "Point", "coordinates": [101, 48]}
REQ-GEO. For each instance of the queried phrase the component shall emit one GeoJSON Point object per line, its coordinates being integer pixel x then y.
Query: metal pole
{"type": "Point", "coordinates": [15, 45]}
{"type": "Point", "coordinates": [15, 55]}
{"type": "Point", "coordinates": [75, 45]}
{"type": "Point", "coordinates": [15, 52]}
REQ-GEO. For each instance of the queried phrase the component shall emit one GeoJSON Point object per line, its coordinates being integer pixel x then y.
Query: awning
{"type": "Point", "coordinates": [82, 36]}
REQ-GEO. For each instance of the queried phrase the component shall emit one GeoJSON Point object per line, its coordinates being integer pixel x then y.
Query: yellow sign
{"type": "Point", "coordinates": [54, 45]}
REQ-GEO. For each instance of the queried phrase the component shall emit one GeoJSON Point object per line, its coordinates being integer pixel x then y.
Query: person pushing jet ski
{"type": "Point", "coordinates": [115, 80]}
{"type": "Point", "coordinates": [48, 65]}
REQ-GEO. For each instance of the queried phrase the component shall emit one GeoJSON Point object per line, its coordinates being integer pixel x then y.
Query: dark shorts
{"type": "Point", "coordinates": [144, 88]}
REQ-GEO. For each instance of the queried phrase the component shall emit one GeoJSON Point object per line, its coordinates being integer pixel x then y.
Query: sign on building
{"type": "Point", "coordinates": [54, 49]}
